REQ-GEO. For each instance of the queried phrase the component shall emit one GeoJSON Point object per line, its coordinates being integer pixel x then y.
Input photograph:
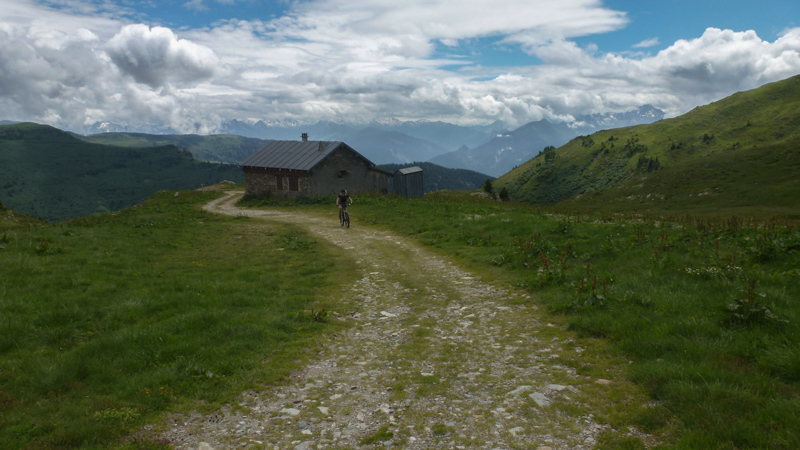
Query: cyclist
{"type": "Point", "coordinates": [342, 201]}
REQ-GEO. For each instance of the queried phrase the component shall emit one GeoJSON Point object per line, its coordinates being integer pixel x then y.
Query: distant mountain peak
{"type": "Point", "coordinates": [641, 115]}
{"type": "Point", "coordinates": [389, 121]}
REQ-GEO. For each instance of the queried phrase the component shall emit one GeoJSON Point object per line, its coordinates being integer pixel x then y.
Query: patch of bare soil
{"type": "Point", "coordinates": [434, 358]}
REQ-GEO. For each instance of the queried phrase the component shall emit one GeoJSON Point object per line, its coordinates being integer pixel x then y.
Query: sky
{"type": "Point", "coordinates": [192, 65]}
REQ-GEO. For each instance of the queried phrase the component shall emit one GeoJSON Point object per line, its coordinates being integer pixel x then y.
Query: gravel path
{"type": "Point", "coordinates": [434, 358]}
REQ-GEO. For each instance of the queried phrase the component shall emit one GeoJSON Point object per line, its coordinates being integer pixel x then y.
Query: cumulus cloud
{"type": "Point", "coordinates": [155, 56]}
{"type": "Point", "coordinates": [51, 77]}
{"type": "Point", "coordinates": [686, 74]}
{"type": "Point", "coordinates": [724, 61]}
{"type": "Point", "coordinates": [66, 78]}
{"type": "Point", "coordinates": [337, 60]}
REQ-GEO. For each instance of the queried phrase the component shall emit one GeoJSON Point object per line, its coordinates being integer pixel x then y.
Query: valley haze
{"type": "Point", "coordinates": [491, 149]}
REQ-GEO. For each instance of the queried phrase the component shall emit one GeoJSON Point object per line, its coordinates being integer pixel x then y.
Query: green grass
{"type": "Point", "coordinates": [108, 321]}
{"type": "Point", "coordinates": [737, 156]}
{"type": "Point", "coordinates": [383, 434]}
{"type": "Point", "coordinates": [756, 181]}
{"type": "Point", "coordinates": [673, 297]}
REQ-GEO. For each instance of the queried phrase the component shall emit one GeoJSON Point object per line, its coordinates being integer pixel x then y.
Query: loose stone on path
{"type": "Point", "coordinates": [431, 358]}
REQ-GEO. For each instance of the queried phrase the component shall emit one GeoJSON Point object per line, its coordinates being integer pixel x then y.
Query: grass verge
{"type": "Point", "coordinates": [705, 309]}
{"type": "Point", "coordinates": [108, 321]}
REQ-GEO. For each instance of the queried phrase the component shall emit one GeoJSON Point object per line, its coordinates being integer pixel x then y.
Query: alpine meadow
{"type": "Point", "coordinates": [737, 156]}
{"type": "Point", "coordinates": [665, 258]}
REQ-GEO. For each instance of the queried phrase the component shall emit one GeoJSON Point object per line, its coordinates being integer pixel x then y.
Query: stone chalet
{"type": "Point", "coordinates": [310, 168]}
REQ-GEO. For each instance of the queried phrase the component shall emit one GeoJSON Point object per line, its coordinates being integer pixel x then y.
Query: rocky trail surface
{"type": "Point", "coordinates": [433, 358]}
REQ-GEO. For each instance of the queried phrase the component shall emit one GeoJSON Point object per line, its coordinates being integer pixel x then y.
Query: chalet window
{"type": "Point", "coordinates": [293, 186]}
{"type": "Point", "coordinates": [342, 173]}
{"type": "Point", "coordinates": [279, 182]}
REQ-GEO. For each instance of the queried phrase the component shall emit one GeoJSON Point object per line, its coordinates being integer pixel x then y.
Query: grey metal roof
{"type": "Point", "coordinates": [408, 170]}
{"type": "Point", "coordinates": [292, 155]}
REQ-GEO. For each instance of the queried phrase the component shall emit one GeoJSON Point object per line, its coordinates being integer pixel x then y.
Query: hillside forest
{"type": "Point", "coordinates": [48, 173]}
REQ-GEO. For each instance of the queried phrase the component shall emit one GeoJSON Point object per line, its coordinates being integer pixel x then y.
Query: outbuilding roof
{"type": "Point", "coordinates": [408, 170]}
{"type": "Point", "coordinates": [293, 155]}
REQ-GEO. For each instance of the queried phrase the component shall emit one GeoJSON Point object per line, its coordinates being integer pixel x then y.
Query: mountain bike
{"type": "Point", "coordinates": [344, 217]}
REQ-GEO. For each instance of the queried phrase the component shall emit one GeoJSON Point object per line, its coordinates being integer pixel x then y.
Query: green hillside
{"type": "Point", "coordinates": [704, 310]}
{"type": "Point", "coordinates": [438, 178]}
{"type": "Point", "coordinates": [737, 156]}
{"type": "Point", "coordinates": [47, 173]}
{"type": "Point", "coordinates": [224, 148]}
{"type": "Point", "coordinates": [107, 321]}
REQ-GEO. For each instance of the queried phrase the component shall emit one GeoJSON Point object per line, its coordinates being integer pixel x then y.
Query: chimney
{"type": "Point", "coordinates": [304, 136]}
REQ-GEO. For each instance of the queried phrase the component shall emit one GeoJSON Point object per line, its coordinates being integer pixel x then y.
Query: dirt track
{"type": "Point", "coordinates": [435, 358]}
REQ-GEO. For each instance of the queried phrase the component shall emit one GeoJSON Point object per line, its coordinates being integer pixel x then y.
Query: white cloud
{"type": "Point", "coordinates": [196, 5]}
{"type": "Point", "coordinates": [342, 60]}
{"type": "Point", "coordinates": [647, 43]}
{"type": "Point", "coordinates": [724, 61]}
{"type": "Point", "coordinates": [155, 56]}
{"type": "Point", "coordinates": [407, 28]}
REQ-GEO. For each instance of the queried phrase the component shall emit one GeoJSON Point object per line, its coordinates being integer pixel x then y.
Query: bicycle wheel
{"type": "Point", "coordinates": [347, 219]}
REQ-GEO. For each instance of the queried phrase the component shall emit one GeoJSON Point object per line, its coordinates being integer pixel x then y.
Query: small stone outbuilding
{"type": "Point", "coordinates": [310, 168]}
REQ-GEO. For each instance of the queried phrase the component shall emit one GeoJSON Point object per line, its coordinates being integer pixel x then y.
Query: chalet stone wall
{"type": "Point", "coordinates": [344, 169]}
{"type": "Point", "coordinates": [264, 183]}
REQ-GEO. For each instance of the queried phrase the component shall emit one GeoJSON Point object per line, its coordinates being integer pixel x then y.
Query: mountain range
{"type": "Point", "coordinates": [399, 142]}
{"type": "Point", "coordinates": [508, 150]}
{"type": "Point", "coordinates": [457, 146]}
{"type": "Point", "coordinates": [737, 156]}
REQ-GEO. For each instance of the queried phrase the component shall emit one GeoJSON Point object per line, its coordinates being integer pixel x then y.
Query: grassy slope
{"type": "Point", "coordinates": [756, 181]}
{"type": "Point", "coordinates": [221, 147]}
{"type": "Point", "coordinates": [10, 219]}
{"type": "Point", "coordinates": [661, 293]}
{"type": "Point", "coordinates": [107, 321]}
{"type": "Point", "coordinates": [48, 173]}
{"type": "Point", "coordinates": [735, 156]}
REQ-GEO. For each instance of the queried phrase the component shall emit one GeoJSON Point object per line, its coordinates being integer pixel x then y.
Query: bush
{"type": "Point", "coordinates": [504, 194]}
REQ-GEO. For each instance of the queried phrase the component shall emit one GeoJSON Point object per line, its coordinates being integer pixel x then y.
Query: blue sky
{"type": "Point", "coordinates": [656, 24]}
{"type": "Point", "coordinates": [194, 64]}
{"type": "Point", "coordinates": [671, 20]}
{"type": "Point", "coordinates": [667, 20]}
